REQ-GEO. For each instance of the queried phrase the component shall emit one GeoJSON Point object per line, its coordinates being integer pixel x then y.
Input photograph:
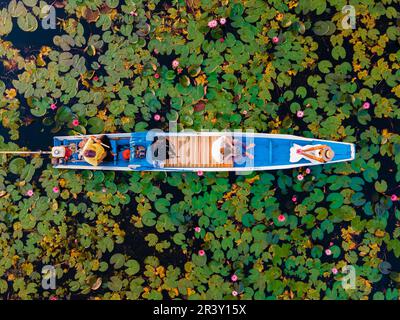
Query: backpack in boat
{"type": "Point", "coordinates": [140, 152]}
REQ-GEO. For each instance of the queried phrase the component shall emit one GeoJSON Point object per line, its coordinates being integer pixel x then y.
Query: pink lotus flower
{"type": "Point", "coordinates": [53, 106]}
{"type": "Point", "coordinates": [334, 270]}
{"type": "Point", "coordinates": [221, 40]}
{"type": "Point", "coordinates": [234, 293]}
{"type": "Point", "coordinates": [328, 252]}
{"type": "Point", "coordinates": [157, 117]}
{"type": "Point", "coordinates": [197, 229]}
{"type": "Point", "coordinates": [244, 112]}
{"type": "Point", "coordinates": [201, 253]}
{"type": "Point", "coordinates": [300, 177]}
{"type": "Point", "coordinates": [300, 114]}
{"type": "Point", "coordinates": [200, 173]}
{"type": "Point", "coordinates": [294, 198]}
{"type": "Point", "coordinates": [234, 277]}
{"type": "Point", "coordinates": [281, 218]}
{"type": "Point", "coordinates": [156, 76]}
{"type": "Point", "coordinates": [222, 21]}
{"type": "Point", "coordinates": [331, 244]}
{"type": "Point", "coordinates": [95, 78]}
{"type": "Point", "coordinates": [394, 197]}
{"type": "Point", "coordinates": [53, 298]}
{"type": "Point", "coordinates": [29, 193]}
{"type": "Point", "coordinates": [56, 190]}
{"type": "Point", "coordinates": [179, 70]}
{"type": "Point", "coordinates": [275, 40]}
{"type": "Point", "coordinates": [104, 190]}
{"type": "Point", "coordinates": [155, 51]}
{"type": "Point", "coordinates": [133, 13]}
{"type": "Point", "coordinates": [366, 105]}
{"type": "Point", "coordinates": [308, 170]}
{"type": "Point", "coordinates": [75, 122]}
{"type": "Point", "coordinates": [175, 64]}
{"type": "Point", "coordinates": [212, 23]}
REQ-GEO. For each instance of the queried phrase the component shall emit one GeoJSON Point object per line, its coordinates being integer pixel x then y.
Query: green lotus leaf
{"type": "Point", "coordinates": [2, 87]}
{"type": "Point", "coordinates": [6, 24]}
{"type": "Point", "coordinates": [96, 125]}
{"type": "Point", "coordinates": [16, 8]}
{"type": "Point", "coordinates": [112, 3]}
{"type": "Point", "coordinates": [381, 186]}
{"type": "Point", "coordinates": [17, 165]}
{"type": "Point", "coordinates": [148, 219]}
{"type": "Point", "coordinates": [118, 260]}
{"type": "Point", "coordinates": [132, 267]}
{"type": "Point", "coordinates": [27, 22]}
{"type": "Point", "coordinates": [30, 3]}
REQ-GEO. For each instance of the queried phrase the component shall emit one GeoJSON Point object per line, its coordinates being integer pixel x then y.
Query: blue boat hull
{"type": "Point", "coordinates": [270, 152]}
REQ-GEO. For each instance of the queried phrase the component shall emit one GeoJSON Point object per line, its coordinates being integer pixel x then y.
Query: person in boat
{"type": "Point", "coordinates": [96, 150]}
{"type": "Point", "coordinates": [318, 153]}
{"type": "Point", "coordinates": [230, 148]}
{"type": "Point", "coordinates": [161, 149]}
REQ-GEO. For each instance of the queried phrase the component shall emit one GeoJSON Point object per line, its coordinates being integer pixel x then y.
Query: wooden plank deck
{"type": "Point", "coordinates": [194, 152]}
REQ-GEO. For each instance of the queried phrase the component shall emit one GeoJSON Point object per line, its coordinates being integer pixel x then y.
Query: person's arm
{"type": "Point", "coordinates": [313, 157]}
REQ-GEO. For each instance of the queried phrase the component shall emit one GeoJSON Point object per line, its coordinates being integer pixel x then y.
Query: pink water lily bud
{"type": "Point", "coordinates": [294, 198]}
{"type": "Point", "coordinates": [328, 252]}
{"type": "Point", "coordinates": [197, 229]}
{"type": "Point", "coordinates": [234, 277]}
{"type": "Point", "coordinates": [394, 197]}
{"type": "Point", "coordinates": [75, 122]}
{"type": "Point", "coordinates": [157, 117]}
{"type": "Point", "coordinates": [366, 105]}
{"type": "Point", "coordinates": [156, 76]}
{"type": "Point", "coordinates": [234, 293]}
{"type": "Point", "coordinates": [308, 170]}
{"type": "Point", "coordinates": [212, 23]}
{"type": "Point", "coordinates": [29, 193]}
{"type": "Point", "coordinates": [53, 106]}
{"type": "Point", "coordinates": [202, 253]}
{"type": "Point", "coordinates": [275, 40]}
{"type": "Point", "coordinates": [281, 218]}
{"type": "Point", "coordinates": [222, 21]}
{"type": "Point", "coordinates": [300, 177]}
{"type": "Point", "coordinates": [334, 270]}
{"type": "Point", "coordinates": [200, 173]}
{"type": "Point", "coordinates": [300, 114]}
{"type": "Point", "coordinates": [175, 64]}
{"type": "Point", "coordinates": [56, 190]}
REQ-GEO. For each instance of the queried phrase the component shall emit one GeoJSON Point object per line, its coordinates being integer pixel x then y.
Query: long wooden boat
{"type": "Point", "coordinates": [196, 151]}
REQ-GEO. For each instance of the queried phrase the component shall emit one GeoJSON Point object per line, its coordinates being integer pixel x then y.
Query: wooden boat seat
{"type": "Point", "coordinates": [194, 152]}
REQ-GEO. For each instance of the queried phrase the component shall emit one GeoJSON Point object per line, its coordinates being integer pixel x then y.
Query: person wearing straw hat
{"type": "Point", "coordinates": [93, 150]}
{"type": "Point", "coordinates": [315, 154]}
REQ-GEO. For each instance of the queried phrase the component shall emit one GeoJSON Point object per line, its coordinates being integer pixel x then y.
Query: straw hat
{"type": "Point", "coordinates": [328, 154]}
